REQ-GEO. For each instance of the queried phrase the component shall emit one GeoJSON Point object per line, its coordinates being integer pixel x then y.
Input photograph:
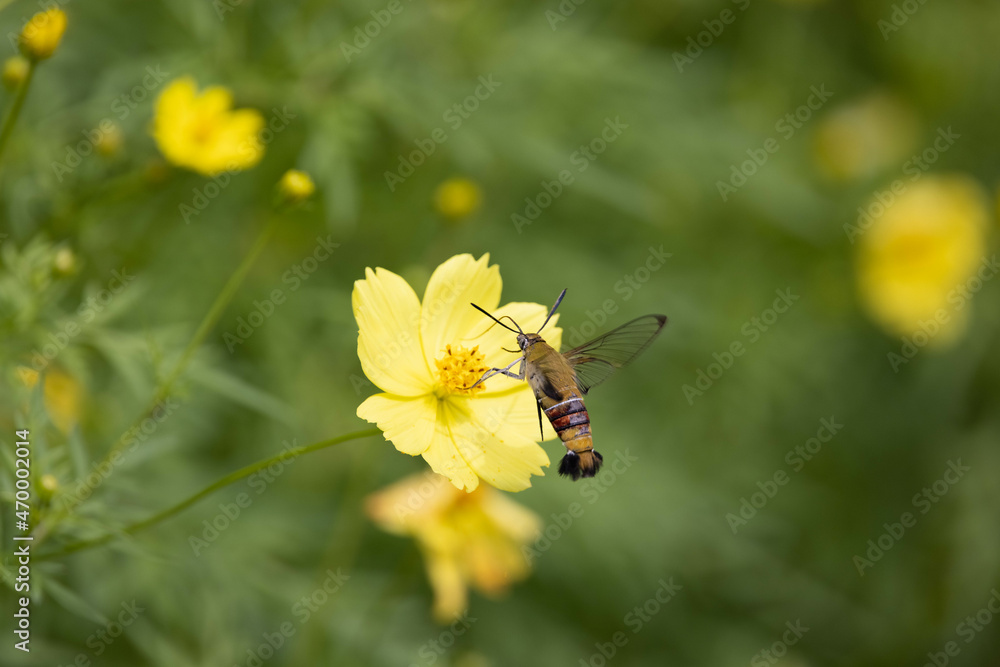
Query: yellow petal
{"type": "Point", "coordinates": [444, 457]}
{"type": "Point", "coordinates": [493, 438]}
{"type": "Point", "coordinates": [450, 592]}
{"type": "Point", "coordinates": [409, 422]}
{"type": "Point", "coordinates": [214, 100]}
{"type": "Point", "coordinates": [513, 519]}
{"type": "Point", "coordinates": [411, 502]}
{"type": "Point", "coordinates": [446, 313]}
{"type": "Point", "coordinates": [176, 98]}
{"type": "Point", "coordinates": [388, 313]}
{"type": "Point", "coordinates": [235, 144]}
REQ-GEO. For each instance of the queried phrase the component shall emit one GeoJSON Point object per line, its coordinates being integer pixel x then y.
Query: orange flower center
{"type": "Point", "coordinates": [460, 368]}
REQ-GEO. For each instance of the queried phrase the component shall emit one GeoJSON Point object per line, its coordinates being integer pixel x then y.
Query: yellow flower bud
{"type": "Point", "coordinates": [42, 34]}
{"type": "Point", "coordinates": [15, 70]}
{"type": "Point", "coordinates": [109, 141]}
{"type": "Point", "coordinates": [295, 186]}
{"type": "Point", "coordinates": [47, 486]}
{"type": "Point", "coordinates": [457, 198]}
{"type": "Point", "coordinates": [64, 262]}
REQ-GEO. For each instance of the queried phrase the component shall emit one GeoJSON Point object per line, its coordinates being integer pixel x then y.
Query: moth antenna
{"type": "Point", "coordinates": [553, 311]}
{"type": "Point", "coordinates": [518, 330]}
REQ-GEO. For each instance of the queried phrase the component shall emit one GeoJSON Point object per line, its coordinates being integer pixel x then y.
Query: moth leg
{"type": "Point", "coordinates": [541, 430]}
{"type": "Point", "coordinates": [502, 371]}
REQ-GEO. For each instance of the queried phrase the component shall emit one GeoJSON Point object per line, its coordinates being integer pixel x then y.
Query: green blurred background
{"type": "Point", "coordinates": [297, 378]}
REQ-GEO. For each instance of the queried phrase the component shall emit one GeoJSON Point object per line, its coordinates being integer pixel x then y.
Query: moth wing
{"type": "Point", "coordinates": [595, 361]}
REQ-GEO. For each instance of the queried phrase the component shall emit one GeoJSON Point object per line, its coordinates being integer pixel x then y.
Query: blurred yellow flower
{"type": "Point", "coordinates": [295, 186]}
{"type": "Point", "coordinates": [423, 355]}
{"type": "Point", "coordinates": [863, 137]}
{"type": "Point", "coordinates": [15, 69]}
{"type": "Point", "coordinates": [457, 198]}
{"type": "Point", "coordinates": [62, 399]}
{"type": "Point", "coordinates": [203, 132]}
{"type": "Point", "coordinates": [42, 34]}
{"type": "Point", "coordinates": [62, 395]}
{"type": "Point", "coordinates": [466, 539]}
{"type": "Point", "coordinates": [915, 260]}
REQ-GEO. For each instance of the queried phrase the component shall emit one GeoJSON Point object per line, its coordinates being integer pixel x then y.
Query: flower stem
{"type": "Point", "coordinates": [15, 108]}
{"type": "Point", "coordinates": [208, 490]}
{"type": "Point", "coordinates": [207, 324]}
{"type": "Point", "coordinates": [164, 387]}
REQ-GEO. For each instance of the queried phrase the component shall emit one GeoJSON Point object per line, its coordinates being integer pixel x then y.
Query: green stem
{"type": "Point", "coordinates": [208, 490]}
{"type": "Point", "coordinates": [221, 301]}
{"type": "Point", "coordinates": [15, 109]}
{"type": "Point", "coordinates": [207, 324]}
{"type": "Point", "coordinates": [164, 388]}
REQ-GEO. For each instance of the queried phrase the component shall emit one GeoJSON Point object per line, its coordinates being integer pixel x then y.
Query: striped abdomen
{"type": "Point", "coordinates": [570, 420]}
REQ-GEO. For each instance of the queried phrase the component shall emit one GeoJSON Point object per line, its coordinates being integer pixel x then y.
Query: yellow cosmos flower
{"type": "Point", "coordinates": [457, 198]}
{"type": "Point", "coordinates": [42, 34]}
{"type": "Point", "coordinates": [423, 355]}
{"type": "Point", "coordinates": [202, 132]}
{"type": "Point", "coordinates": [295, 186]}
{"type": "Point", "coordinates": [466, 538]}
{"type": "Point", "coordinates": [917, 257]}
